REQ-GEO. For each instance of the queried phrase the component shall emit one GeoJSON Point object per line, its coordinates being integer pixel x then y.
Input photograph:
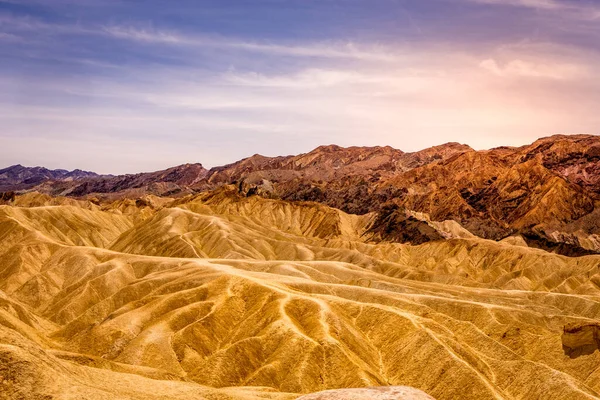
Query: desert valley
{"type": "Point", "coordinates": [465, 274]}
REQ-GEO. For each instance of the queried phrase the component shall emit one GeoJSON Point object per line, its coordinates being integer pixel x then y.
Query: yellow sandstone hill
{"type": "Point", "coordinates": [221, 296]}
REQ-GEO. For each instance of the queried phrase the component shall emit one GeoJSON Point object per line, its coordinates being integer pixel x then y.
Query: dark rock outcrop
{"type": "Point", "coordinates": [392, 224]}
{"type": "Point", "coordinates": [579, 339]}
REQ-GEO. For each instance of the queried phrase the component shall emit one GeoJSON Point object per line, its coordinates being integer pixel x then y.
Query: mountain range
{"type": "Point", "coordinates": [546, 193]}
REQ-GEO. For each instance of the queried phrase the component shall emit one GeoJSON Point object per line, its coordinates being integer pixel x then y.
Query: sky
{"type": "Point", "coordinates": [124, 86]}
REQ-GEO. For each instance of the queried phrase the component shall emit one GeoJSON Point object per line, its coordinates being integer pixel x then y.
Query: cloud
{"type": "Point", "coordinates": [520, 68]}
{"type": "Point", "coordinates": [325, 50]}
{"type": "Point", "coordinates": [307, 79]}
{"type": "Point", "coordinates": [17, 23]}
{"type": "Point", "coordinates": [9, 37]}
{"type": "Point", "coordinates": [540, 4]}
{"type": "Point", "coordinates": [145, 35]}
{"type": "Point", "coordinates": [566, 9]}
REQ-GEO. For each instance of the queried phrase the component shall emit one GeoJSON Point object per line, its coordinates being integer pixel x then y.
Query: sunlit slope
{"type": "Point", "coordinates": [30, 236]}
{"type": "Point", "coordinates": [259, 229]}
{"type": "Point", "coordinates": [28, 372]}
{"type": "Point", "coordinates": [219, 291]}
{"type": "Point", "coordinates": [223, 225]}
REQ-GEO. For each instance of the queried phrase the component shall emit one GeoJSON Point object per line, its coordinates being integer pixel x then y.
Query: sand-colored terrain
{"type": "Point", "coordinates": [219, 296]}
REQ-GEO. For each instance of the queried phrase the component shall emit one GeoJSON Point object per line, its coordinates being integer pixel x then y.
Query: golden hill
{"type": "Point", "coordinates": [220, 296]}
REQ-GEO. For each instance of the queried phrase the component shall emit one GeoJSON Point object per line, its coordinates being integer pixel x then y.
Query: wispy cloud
{"type": "Point", "coordinates": [579, 10]}
{"type": "Point", "coordinates": [10, 23]}
{"type": "Point", "coordinates": [520, 68]}
{"type": "Point", "coordinates": [9, 37]}
{"type": "Point", "coordinates": [325, 50]}
{"type": "Point", "coordinates": [541, 4]}
{"type": "Point", "coordinates": [307, 79]}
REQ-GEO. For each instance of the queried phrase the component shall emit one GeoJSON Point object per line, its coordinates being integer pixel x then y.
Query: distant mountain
{"type": "Point", "coordinates": [166, 182]}
{"type": "Point", "coordinates": [325, 164]}
{"type": "Point", "coordinates": [547, 193]}
{"type": "Point", "coordinates": [18, 177]}
{"type": "Point", "coordinates": [333, 163]}
{"type": "Point", "coordinates": [80, 183]}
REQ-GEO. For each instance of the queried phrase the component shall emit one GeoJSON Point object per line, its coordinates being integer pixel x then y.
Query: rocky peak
{"type": "Point", "coordinates": [432, 154]}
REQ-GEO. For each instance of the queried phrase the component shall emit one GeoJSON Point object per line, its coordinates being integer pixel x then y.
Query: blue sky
{"type": "Point", "coordinates": [120, 86]}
